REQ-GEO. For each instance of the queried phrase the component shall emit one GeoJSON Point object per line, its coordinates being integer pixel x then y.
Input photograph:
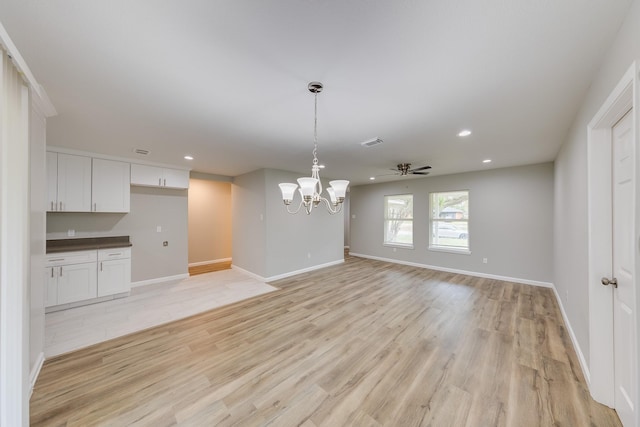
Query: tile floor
{"type": "Point", "coordinates": [147, 306]}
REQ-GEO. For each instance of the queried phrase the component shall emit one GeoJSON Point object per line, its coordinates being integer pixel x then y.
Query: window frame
{"type": "Point", "coordinates": [385, 220]}
{"type": "Point", "coordinates": [445, 248]}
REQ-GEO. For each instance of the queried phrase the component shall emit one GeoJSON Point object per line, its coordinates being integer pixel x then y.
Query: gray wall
{"type": "Point", "coordinates": [570, 216]}
{"type": "Point", "coordinates": [249, 229]}
{"type": "Point", "coordinates": [150, 207]}
{"type": "Point", "coordinates": [268, 241]}
{"type": "Point", "coordinates": [510, 221]}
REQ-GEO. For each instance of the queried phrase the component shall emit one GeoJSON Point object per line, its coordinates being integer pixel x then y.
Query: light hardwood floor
{"type": "Point", "coordinates": [366, 343]}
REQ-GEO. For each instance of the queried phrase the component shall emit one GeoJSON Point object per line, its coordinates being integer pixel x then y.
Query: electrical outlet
{"type": "Point", "coordinates": [485, 260]}
{"type": "Point", "coordinates": [71, 233]}
{"type": "Point", "coordinates": [158, 229]}
{"type": "Point", "coordinates": [309, 255]}
{"type": "Point", "coordinates": [395, 249]}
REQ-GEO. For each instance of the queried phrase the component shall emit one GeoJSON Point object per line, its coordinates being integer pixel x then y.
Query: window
{"type": "Point", "coordinates": [398, 220]}
{"type": "Point", "coordinates": [449, 222]}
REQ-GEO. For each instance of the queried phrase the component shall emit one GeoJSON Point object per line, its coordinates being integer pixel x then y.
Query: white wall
{"type": "Point", "coordinates": [570, 206]}
{"type": "Point", "coordinates": [37, 230]}
{"type": "Point", "coordinates": [269, 242]}
{"type": "Point", "coordinates": [150, 207]}
{"type": "Point", "coordinates": [510, 224]}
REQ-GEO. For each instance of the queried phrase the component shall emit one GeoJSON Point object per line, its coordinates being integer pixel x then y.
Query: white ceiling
{"type": "Point", "coordinates": [226, 81]}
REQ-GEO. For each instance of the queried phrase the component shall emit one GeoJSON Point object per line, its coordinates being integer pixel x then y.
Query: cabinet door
{"type": "Point", "coordinates": [114, 277]}
{"type": "Point", "coordinates": [110, 186]}
{"type": "Point", "coordinates": [148, 176]}
{"type": "Point", "coordinates": [77, 282]}
{"type": "Point", "coordinates": [175, 178]}
{"type": "Point", "coordinates": [74, 183]}
{"type": "Point", "coordinates": [50, 286]}
{"type": "Point", "coordinates": [52, 181]}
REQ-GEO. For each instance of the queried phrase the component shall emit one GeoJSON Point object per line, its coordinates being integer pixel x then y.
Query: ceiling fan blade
{"type": "Point", "coordinates": [420, 169]}
{"type": "Point", "coordinates": [419, 173]}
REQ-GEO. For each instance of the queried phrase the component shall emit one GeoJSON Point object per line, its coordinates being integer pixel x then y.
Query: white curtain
{"type": "Point", "coordinates": [14, 245]}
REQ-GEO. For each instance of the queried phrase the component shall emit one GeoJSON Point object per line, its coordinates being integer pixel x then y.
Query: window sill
{"type": "Point", "coordinates": [460, 251]}
{"type": "Point", "coordinates": [397, 245]}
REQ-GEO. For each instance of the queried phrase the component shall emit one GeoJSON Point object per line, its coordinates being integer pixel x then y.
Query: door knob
{"type": "Point", "coordinates": [605, 281]}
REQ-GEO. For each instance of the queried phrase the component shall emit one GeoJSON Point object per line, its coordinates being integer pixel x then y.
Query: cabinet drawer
{"type": "Point", "coordinates": [114, 253]}
{"type": "Point", "coordinates": [64, 258]}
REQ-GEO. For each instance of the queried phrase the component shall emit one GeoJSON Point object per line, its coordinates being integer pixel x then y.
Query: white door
{"type": "Point", "coordinates": [624, 310]}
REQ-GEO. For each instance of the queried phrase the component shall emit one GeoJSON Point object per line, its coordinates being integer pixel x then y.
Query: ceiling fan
{"type": "Point", "coordinates": [404, 169]}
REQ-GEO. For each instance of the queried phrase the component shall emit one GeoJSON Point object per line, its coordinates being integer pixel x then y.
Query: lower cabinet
{"type": "Point", "coordinates": [114, 271]}
{"type": "Point", "coordinates": [72, 277]}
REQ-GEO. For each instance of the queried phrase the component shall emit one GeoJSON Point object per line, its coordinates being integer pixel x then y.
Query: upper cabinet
{"type": "Point", "coordinates": [152, 176]}
{"type": "Point", "coordinates": [69, 183]}
{"type": "Point", "coordinates": [110, 186]}
{"type": "Point", "coordinates": [83, 184]}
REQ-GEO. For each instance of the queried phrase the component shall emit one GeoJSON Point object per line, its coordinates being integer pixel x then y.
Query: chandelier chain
{"type": "Point", "coordinates": [315, 129]}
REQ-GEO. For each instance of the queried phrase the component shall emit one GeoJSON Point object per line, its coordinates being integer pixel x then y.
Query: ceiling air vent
{"type": "Point", "coordinates": [371, 142]}
{"type": "Point", "coordinates": [141, 151]}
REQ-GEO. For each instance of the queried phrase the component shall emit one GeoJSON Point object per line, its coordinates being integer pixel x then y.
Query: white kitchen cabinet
{"type": "Point", "coordinates": [114, 271]}
{"type": "Point", "coordinates": [110, 186]}
{"type": "Point", "coordinates": [77, 282]}
{"type": "Point", "coordinates": [69, 187]}
{"type": "Point", "coordinates": [153, 176]}
{"type": "Point", "coordinates": [70, 277]}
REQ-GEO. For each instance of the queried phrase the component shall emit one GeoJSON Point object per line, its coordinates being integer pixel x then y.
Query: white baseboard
{"type": "Point", "coordinates": [574, 340]}
{"type": "Point", "coordinates": [456, 271]}
{"type": "Point", "coordinates": [213, 261]}
{"type": "Point", "coordinates": [35, 371]}
{"type": "Point", "coordinates": [159, 280]}
{"type": "Point", "coordinates": [289, 274]}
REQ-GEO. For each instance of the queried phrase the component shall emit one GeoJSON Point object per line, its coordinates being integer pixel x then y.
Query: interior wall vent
{"type": "Point", "coordinates": [141, 151]}
{"type": "Point", "coordinates": [371, 142]}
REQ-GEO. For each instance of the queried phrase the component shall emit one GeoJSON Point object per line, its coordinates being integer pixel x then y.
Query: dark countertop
{"type": "Point", "coordinates": [87, 243]}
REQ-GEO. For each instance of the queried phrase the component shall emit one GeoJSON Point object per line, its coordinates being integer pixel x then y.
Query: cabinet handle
{"type": "Point", "coordinates": [60, 206]}
{"type": "Point", "coordinates": [95, 206]}
{"type": "Point", "coordinates": [60, 271]}
{"type": "Point", "coordinates": [51, 271]}
{"type": "Point", "coordinates": [52, 206]}
{"type": "Point", "coordinates": [160, 182]}
{"type": "Point", "coordinates": [101, 266]}
{"type": "Point", "coordinates": [165, 182]}
{"type": "Point", "coordinates": [118, 254]}
{"type": "Point", "coordinates": [57, 259]}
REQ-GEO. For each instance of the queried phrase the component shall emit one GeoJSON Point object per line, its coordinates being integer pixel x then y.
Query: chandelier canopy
{"type": "Point", "coordinates": [311, 187]}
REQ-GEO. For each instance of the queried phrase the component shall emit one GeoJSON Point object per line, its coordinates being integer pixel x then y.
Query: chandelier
{"type": "Point", "coordinates": [310, 187]}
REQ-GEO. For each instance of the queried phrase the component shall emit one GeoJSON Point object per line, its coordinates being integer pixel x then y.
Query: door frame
{"type": "Point", "coordinates": [600, 223]}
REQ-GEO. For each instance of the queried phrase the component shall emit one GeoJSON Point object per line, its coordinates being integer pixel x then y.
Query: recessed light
{"type": "Point", "coordinates": [372, 178]}
{"type": "Point", "coordinates": [486, 161]}
{"type": "Point", "coordinates": [188, 157]}
{"type": "Point", "coordinates": [464, 132]}
{"type": "Point", "coordinates": [321, 166]}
